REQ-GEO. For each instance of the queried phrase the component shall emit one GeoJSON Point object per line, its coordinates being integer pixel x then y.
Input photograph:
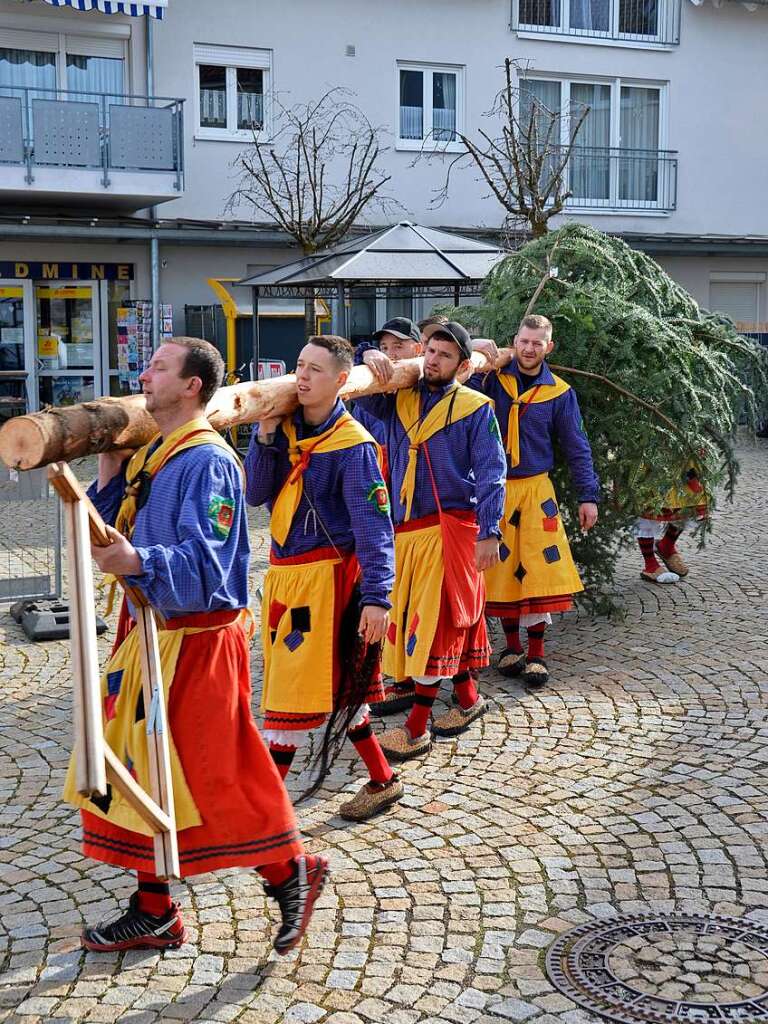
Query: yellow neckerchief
{"type": "Point", "coordinates": [538, 393]}
{"type": "Point", "coordinates": [189, 435]}
{"type": "Point", "coordinates": [458, 403]}
{"type": "Point", "coordinates": [346, 432]}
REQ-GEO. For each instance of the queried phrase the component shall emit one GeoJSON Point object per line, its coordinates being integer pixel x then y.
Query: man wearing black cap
{"type": "Point", "coordinates": [447, 470]}
{"type": "Point", "coordinates": [399, 338]}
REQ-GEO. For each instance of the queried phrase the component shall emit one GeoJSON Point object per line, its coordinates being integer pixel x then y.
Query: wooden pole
{"type": "Point", "coordinates": [72, 432]}
{"type": "Point", "coordinates": [90, 774]}
{"type": "Point", "coordinates": [96, 763]}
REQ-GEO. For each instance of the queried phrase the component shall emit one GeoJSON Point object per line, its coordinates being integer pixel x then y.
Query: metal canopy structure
{"type": "Point", "coordinates": [404, 259]}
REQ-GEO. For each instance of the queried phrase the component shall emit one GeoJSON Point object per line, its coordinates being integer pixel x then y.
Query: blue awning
{"type": "Point", "coordinates": [134, 10]}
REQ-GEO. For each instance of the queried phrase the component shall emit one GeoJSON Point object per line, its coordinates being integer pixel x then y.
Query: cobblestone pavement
{"type": "Point", "coordinates": [637, 782]}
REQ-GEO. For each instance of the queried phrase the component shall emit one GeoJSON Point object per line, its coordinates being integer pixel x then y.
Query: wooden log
{"type": "Point", "coordinates": [38, 439]}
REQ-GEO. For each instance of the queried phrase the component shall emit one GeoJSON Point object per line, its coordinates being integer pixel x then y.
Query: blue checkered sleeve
{"type": "Point", "coordinates": [202, 570]}
{"type": "Point", "coordinates": [371, 524]}
{"type": "Point", "coordinates": [489, 465]}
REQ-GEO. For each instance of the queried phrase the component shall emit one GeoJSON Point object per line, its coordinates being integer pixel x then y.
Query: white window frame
{"type": "Point", "coordinates": [428, 141]}
{"type": "Point", "coordinates": [108, 44]}
{"type": "Point", "coordinates": [616, 85]}
{"type": "Point", "coordinates": [232, 58]}
{"type": "Point", "coordinates": [565, 34]}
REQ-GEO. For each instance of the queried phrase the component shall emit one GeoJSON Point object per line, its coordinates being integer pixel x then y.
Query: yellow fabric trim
{"type": "Point", "coordinates": [408, 406]}
{"type": "Point", "coordinates": [127, 738]}
{"type": "Point", "coordinates": [544, 393]}
{"type": "Point", "coordinates": [346, 432]}
{"type": "Point", "coordinates": [299, 681]}
{"type": "Point", "coordinates": [526, 544]}
{"type": "Point", "coordinates": [416, 597]}
{"type": "Point", "coordinates": [203, 434]}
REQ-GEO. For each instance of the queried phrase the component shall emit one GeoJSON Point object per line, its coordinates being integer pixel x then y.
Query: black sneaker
{"type": "Point", "coordinates": [296, 898]}
{"type": "Point", "coordinates": [136, 930]}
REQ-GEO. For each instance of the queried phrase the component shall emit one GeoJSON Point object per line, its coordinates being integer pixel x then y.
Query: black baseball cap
{"type": "Point", "coordinates": [401, 327]}
{"type": "Point", "coordinates": [456, 332]}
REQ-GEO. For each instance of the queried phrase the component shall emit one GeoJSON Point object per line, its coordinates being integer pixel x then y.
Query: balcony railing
{"type": "Point", "coordinates": [620, 179]}
{"type": "Point", "coordinates": [107, 132]}
{"type": "Point", "coordinates": [636, 21]}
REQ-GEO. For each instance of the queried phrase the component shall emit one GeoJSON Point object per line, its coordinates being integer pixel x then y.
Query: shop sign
{"type": "Point", "coordinates": [9, 292]}
{"type": "Point", "coordinates": [66, 271]}
{"type": "Point", "coordinates": [63, 292]}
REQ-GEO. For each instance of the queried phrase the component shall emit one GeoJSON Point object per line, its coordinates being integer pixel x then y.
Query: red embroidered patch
{"type": "Point", "coordinates": [392, 632]}
{"type": "Point", "coordinates": [276, 612]}
{"type": "Point", "coordinates": [550, 524]}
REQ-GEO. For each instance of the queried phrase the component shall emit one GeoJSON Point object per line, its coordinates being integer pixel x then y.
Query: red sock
{"type": "Point", "coordinates": [511, 629]}
{"type": "Point", "coordinates": [416, 723]}
{"type": "Point", "coordinates": [536, 640]}
{"type": "Point", "coordinates": [369, 749]}
{"type": "Point", "coordinates": [278, 873]}
{"type": "Point", "coordinates": [646, 550]}
{"type": "Point", "coordinates": [283, 755]}
{"type": "Point", "coordinates": [154, 895]}
{"type": "Point", "coordinates": [666, 545]}
{"type": "Point", "coordinates": [465, 689]}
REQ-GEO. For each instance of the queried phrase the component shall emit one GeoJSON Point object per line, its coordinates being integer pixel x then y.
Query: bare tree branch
{"type": "Point", "coordinates": [319, 173]}
{"type": "Point", "coordinates": [523, 158]}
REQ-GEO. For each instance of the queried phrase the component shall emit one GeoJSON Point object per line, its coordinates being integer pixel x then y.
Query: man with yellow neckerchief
{"type": "Point", "coordinates": [536, 574]}
{"type": "Point", "coordinates": [326, 602]}
{"type": "Point", "coordinates": [446, 467]}
{"type": "Point", "coordinates": [182, 541]}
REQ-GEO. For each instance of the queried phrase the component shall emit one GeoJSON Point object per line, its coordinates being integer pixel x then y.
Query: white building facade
{"type": "Point", "coordinates": [119, 135]}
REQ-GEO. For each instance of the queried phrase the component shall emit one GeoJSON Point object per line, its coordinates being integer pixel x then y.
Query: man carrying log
{"type": "Point", "coordinates": [447, 484]}
{"type": "Point", "coordinates": [536, 574]}
{"type": "Point", "coordinates": [399, 338]}
{"type": "Point", "coordinates": [326, 603]}
{"type": "Point", "coordinates": [181, 540]}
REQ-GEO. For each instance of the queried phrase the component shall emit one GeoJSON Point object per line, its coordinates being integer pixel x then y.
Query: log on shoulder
{"type": "Point", "coordinates": [61, 435]}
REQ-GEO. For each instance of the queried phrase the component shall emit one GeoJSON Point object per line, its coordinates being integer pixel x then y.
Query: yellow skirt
{"type": "Point", "coordinates": [298, 636]}
{"type": "Point", "coordinates": [536, 560]}
{"type": "Point", "coordinates": [415, 601]}
{"type": "Point", "coordinates": [125, 732]}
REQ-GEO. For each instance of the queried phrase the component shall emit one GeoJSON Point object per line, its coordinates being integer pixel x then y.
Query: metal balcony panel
{"type": "Point", "coordinates": [142, 137]}
{"type": "Point", "coordinates": [121, 153]}
{"type": "Point", "coordinates": [11, 132]}
{"type": "Point", "coordinates": [66, 133]}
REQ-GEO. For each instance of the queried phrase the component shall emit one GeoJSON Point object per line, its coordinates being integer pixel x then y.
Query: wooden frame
{"type": "Point", "coordinates": [96, 763]}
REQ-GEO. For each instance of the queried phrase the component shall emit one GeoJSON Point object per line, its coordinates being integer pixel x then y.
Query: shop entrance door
{"type": "Point", "coordinates": [68, 342]}
{"type": "Point", "coordinates": [17, 393]}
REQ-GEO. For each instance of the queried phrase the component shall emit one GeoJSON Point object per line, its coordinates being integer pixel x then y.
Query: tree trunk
{"type": "Point", "coordinates": [72, 432]}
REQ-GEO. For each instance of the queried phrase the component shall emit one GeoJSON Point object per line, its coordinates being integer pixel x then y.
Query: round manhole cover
{"type": "Point", "coordinates": [676, 967]}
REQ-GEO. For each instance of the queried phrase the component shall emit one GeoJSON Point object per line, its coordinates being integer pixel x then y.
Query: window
{"type": "Point", "coordinates": [233, 88]}
{"type": "Point", "coordinates": [738, 296]}
{"type": "Point", "coordinates": [62, 62]}
{"type": "Point", "coordinates": [617, 161]}
{"type": "Point", "coordinates": [633, 21]}
{"type": "Point", "coordinates": [429, 106]}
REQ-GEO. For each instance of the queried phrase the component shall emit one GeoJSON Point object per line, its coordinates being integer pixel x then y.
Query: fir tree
{"type": "Point", "coordinates": [662, 384]}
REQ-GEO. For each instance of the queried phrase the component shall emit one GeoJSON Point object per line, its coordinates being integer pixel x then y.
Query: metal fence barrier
{"type": "Point", "coordinates": [30, 537]}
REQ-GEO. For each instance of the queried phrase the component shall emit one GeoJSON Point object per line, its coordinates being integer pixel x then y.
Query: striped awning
{"type": "Point", "coordinates": [156, 9]}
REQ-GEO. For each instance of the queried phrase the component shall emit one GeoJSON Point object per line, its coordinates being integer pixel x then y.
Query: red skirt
{"type": "Point", "coordinates": [247, 815]}
{"type": "Point", "coordinates": [454, 648]}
